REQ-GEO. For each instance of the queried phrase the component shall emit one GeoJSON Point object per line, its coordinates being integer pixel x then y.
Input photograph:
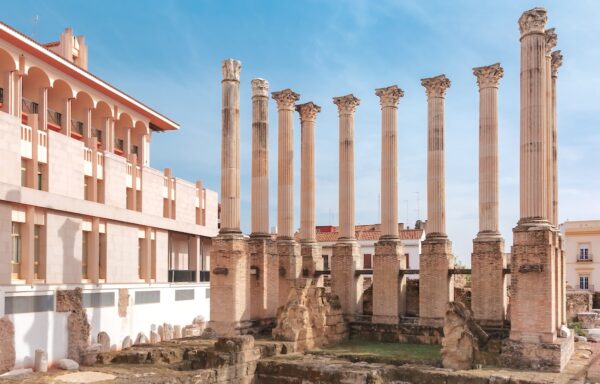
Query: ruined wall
{"type": "Point", "coordinates": [7, 345]}
{"type": "Point", "coordinates": [577, 302]}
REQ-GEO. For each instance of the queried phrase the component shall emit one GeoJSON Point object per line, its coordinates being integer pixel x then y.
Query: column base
{"type": "Point", "coordinates": [489, 297]}
{"type": "Point", "coordinates": [290, 266]}
{"type": "Point", "coordinates": [551, 357]}
{"type": "Point", "coordinates": [229, 283]}
{"type": "Point", "coordinates": [312, 261]}
{"type": "Point", "coordinates": [436, 287]}
{"type": "Point", "coordinates": [534, 313]}
{"type": "Point", "coordinates": [344, 282]}
{"type": "Point", "coordinates": [389, 287]}
{"type": "Point", "coordinates": [264, 266]}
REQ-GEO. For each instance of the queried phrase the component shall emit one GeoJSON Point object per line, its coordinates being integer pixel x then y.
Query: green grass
{"type": "Point", "coordinates": [385, 352]}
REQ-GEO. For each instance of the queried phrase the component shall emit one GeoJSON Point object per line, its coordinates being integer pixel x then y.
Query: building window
{"type": "Point", "coordinates": [367, 261]}
{"type": "Point", "coordinates": [584, 252]}
{"type": "Point", "coordinates": [406, 256]}
{"type": "Point", "coordinates": [584, 282]}
{"type": "Point", "coordinates": [84, 254]}
{"type": "Point", "coordinates": [16, 250]}
{"type": "Point", "coordinates": [326, 262]}
{"type": "Point", "coordinates": [23, 172]}
{"type": "Point", "coordinates": [140, 257]}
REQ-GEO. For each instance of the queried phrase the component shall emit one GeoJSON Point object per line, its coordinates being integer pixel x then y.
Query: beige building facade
{"type": "Point", "coordinates": [581, 244]}
{"type": "Point", "coordinates": [80, 205]}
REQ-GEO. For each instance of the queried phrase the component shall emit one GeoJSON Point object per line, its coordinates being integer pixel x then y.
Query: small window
{"type": "Point", "coordinates": [84, 254]}
{"type": "Point", "coordinates": [23, 172]}
{"type": "Point", "coordinates": [407, 257]}
{"type": "Point", "coordinates": [584, 252]}
{"type": "Point", "coordinates": [367, 261]}
{"type": "Point", "coordinates": [326, 262]}
{"type": "Point", "coordinates": [584, 282]}
{"type": "Point", "coordinates": [16, 250]}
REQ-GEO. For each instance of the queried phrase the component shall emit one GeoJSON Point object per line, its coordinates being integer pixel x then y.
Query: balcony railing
{"type": "Point", "coordinates": [77, 128]}
{"type": "Point", "coordinates": [29, 106]}
{"type": "Point", "coordinates": [584, 258]}
{"type": "Point", "coordinates": [54, 120]}
{"type": "Point", "coordinates": [182, 276]}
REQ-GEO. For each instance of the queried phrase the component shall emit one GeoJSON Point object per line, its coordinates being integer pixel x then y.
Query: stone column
{"type": "Point", "coordinates": [489, 293]}
{"type": "Point", "coordinates": [346, 251]}
{"type": "Point", "coordinates": [264, 295]}
{"type": "Point", "coordinates": [230, 273]}
{"type": "Point", "coordinates": [312, 259]}
{"type": "Point", "coordinates": [288, 249]}
{"type": "Point", "coordinates": [436, 288]}
{"type": "Point", "coordinates": [537, 245]}
{"type": "Point", "coordinates": [550, 44]}
{"type": "Point", "coordinates": [389, 287]}
{"type": "Point", "coordinates": [555, 64]}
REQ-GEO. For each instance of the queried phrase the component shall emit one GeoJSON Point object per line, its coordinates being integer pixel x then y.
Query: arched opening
{"type": "Point", "coordinates": [58, 98]}
{"type": "Point", "coordinates": [80, 106]}
{"type": "Point", "coordinates": [123, 135]}
{"type": "Point", "coordinates": [100, 124]}
{"type": "Point", "coordinates": [7, 67]}
{"type": "Point", "coordinates": [34, 83]}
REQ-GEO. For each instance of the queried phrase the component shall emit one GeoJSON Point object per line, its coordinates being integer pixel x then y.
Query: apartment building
{"type": "Point", "coordinates": [80, 205]}
{"type": "Point", "coordinates": [582, 254]}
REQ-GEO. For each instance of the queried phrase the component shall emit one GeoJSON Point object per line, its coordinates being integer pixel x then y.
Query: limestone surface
{"type": "Point", "coordinates": [462, 337]}
{"type": "Point", "coordinates": [7, 344]}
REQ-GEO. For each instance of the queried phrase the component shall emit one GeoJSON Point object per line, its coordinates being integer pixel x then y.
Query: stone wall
{"type": "Point", "coordinates": [393, 333]}
{"type": "Point", "coordinates": [7, 345]}
{"type": "Point", "coordinates": [78, 327]}
{"type": "Point", "coordinates": [578, 302]}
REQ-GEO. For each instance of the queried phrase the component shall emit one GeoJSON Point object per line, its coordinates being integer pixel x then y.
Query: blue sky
{"type": "Point", "coordinates": [168, 53]}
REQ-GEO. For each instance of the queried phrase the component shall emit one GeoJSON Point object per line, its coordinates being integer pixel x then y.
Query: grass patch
{"type": "Point", "coordinates": [384, 352]}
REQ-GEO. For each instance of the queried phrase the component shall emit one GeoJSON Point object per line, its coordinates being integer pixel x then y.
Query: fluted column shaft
{"type": "Point", "coordinates": [389, 98]}
{"type": "Point", "coordinates": [308, 115]}
{"type": "Point", "coordinates": [556, 62]}
{"type": "Point", "coordinates": [550, 44]}
{"type": "Point", "coordinates": [230, 147]}
{"type": "Point", "coordinates": [285, 170]}
{"type": "Point", "coordinates": [436, 185]}
{"type": "Point", "coordinates": [487, 79]}
{"type": "Point", "coordinates": [534, 146]}
{"type": "Point", "coordinates": [346, 107]}
{"type": "Point", "coordinates": [260, 157]}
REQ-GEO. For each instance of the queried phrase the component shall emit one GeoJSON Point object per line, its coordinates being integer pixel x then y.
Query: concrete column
{"type": "Point", "coordinates": [389, 287]}
{"type": "Point", "coordinates": [230, 261]}
{"type": "Point", "coordinates": [66, 122]}
{"type": "Point", "coordinates": [93, 188]}
{"type": "Point", "coordinates": [146, 267]}
{"type": "Point", "coordinates": [230, 147]}
{"type": "Point", "coordinates": [28, 246]}
{"type": "Point", "coordinates": [285, 170]}
{"type": "Point", "coordinates": [346, 251]}
{"type": "Point", "coordinates": [260, 157]}
{"type": "Point", "coordinates": [551, 39]}
{"type": "Point", "coordinates": [87, 125]}
{"type": "Point", "coordinates": [127, 143]}
{"type": "Point", "coordinates": [43, 110]}
{"type": "Point", "coordinates": [489, 294]}
{"type": "Point", "coordinates": [436, 288]}
{"type": "Point", "coordinates": [133, 200]}
{"type": "Point", "coordinates": [288, 250]}
{"type": "Point", "coordinates": [194, 256]}
{"type": "Point", "coordinates": [312, 259]}
{"type": "Point", "coordinates": [436, 183]}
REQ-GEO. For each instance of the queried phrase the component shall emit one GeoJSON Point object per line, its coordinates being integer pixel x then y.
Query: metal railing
{"type": "Point", "coordinates": [119, 144]}
{"type": "Point", "coordinates": [29, 106]}
{"type": "Point", "coordinates": [54, 117]}
{"type": "Point", "coordinates": [77, 126]}
{"type": "Point", "coordinates": [584, 258]}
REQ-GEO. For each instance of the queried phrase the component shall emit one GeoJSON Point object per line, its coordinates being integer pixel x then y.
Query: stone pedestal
{"type": "Point", "coordinates": [290, 267]}
{"type": "Point", "coordinates": [312, 261]}
{"type": "Point", "coordinates": [488, 285]}
{"type": "Point", "coordinates": [389, 287]}
{"type": "Point", "coordinates": [264, 293]}
{"type": "Point", "coordinates": [344, 282]}
{"type": "Point", "coordinates": [436, 287]}
{"type": "Point", "coordinates": [229, 284]}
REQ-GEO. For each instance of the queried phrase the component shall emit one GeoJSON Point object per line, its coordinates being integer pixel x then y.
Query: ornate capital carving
{"type": "Point", "coordinates": [389, 96]}
{"type": "Point", "coordinates": [551, 39]}
{"type": "Point", "coordinates": [488, 76]}
{"type": "Point", "coordinates": [260, 87]}
{"type": "Point", "coordinates": [231, 69]}
{"type": "Point", "coordinates": [533, 21]}
{"type": "Point", "coordinates": [285, 99]}
{"type": "Point", "coordinates": [346, 104]}
{"type": "Point", "coordinates": [436, 86]}
{"type": "Point", "coordinates": [308, 111]}
{"type": "Point", "coordinates": [557, 59]}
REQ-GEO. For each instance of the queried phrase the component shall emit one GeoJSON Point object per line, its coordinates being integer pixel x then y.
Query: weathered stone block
{"type": "Point", "coordinates": [7, 345]}
{"type": "Point", "coordinates": [489, 296]}
{"type": "Point", "coordinates": [344, 283]}
{"type": "Point", "coordinates": [436, 288]}
{"type": "Point", "coordinates": [389, 287]}
{"type": "Point", "coordinates": [264, 294]}
{"type": "Point", "coordinates": [290, 267]}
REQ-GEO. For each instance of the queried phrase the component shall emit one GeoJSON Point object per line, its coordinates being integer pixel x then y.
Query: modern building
{"type": "Point", "coordinates": [367, 235]}
{"type": "Point", "coordinates": [80, 205]}
{"type": "Point", "coordinates": [581, 242]}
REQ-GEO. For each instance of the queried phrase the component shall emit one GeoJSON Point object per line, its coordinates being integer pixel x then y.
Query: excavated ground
{"type": "Point", "coordinates": [195, 361]}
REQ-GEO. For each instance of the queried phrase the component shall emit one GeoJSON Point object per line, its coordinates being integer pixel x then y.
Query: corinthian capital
{"type": "Point", "coordinates": [308, 111]}
{"type": "Point", "coordinates": [231, 69]}
{"type": "Point", "coordinates": [285, 99]}
{"type": "Point", "coordinates": [551, 39]}
{"type": "Point", "coordinates": [556, 62]}
{"type": "Point", "coordinates": [488, 76]}
{"type": "Point", "coordinates": [389, 96]}
{"type": "Point", "coordinates": [260, 87]}
{"type": "Point", "coordinates": [533, 21]}
{"type": "Point", "coordinates": [346, 104]}
{"type": "Point", "coordinates": [436, 86]}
